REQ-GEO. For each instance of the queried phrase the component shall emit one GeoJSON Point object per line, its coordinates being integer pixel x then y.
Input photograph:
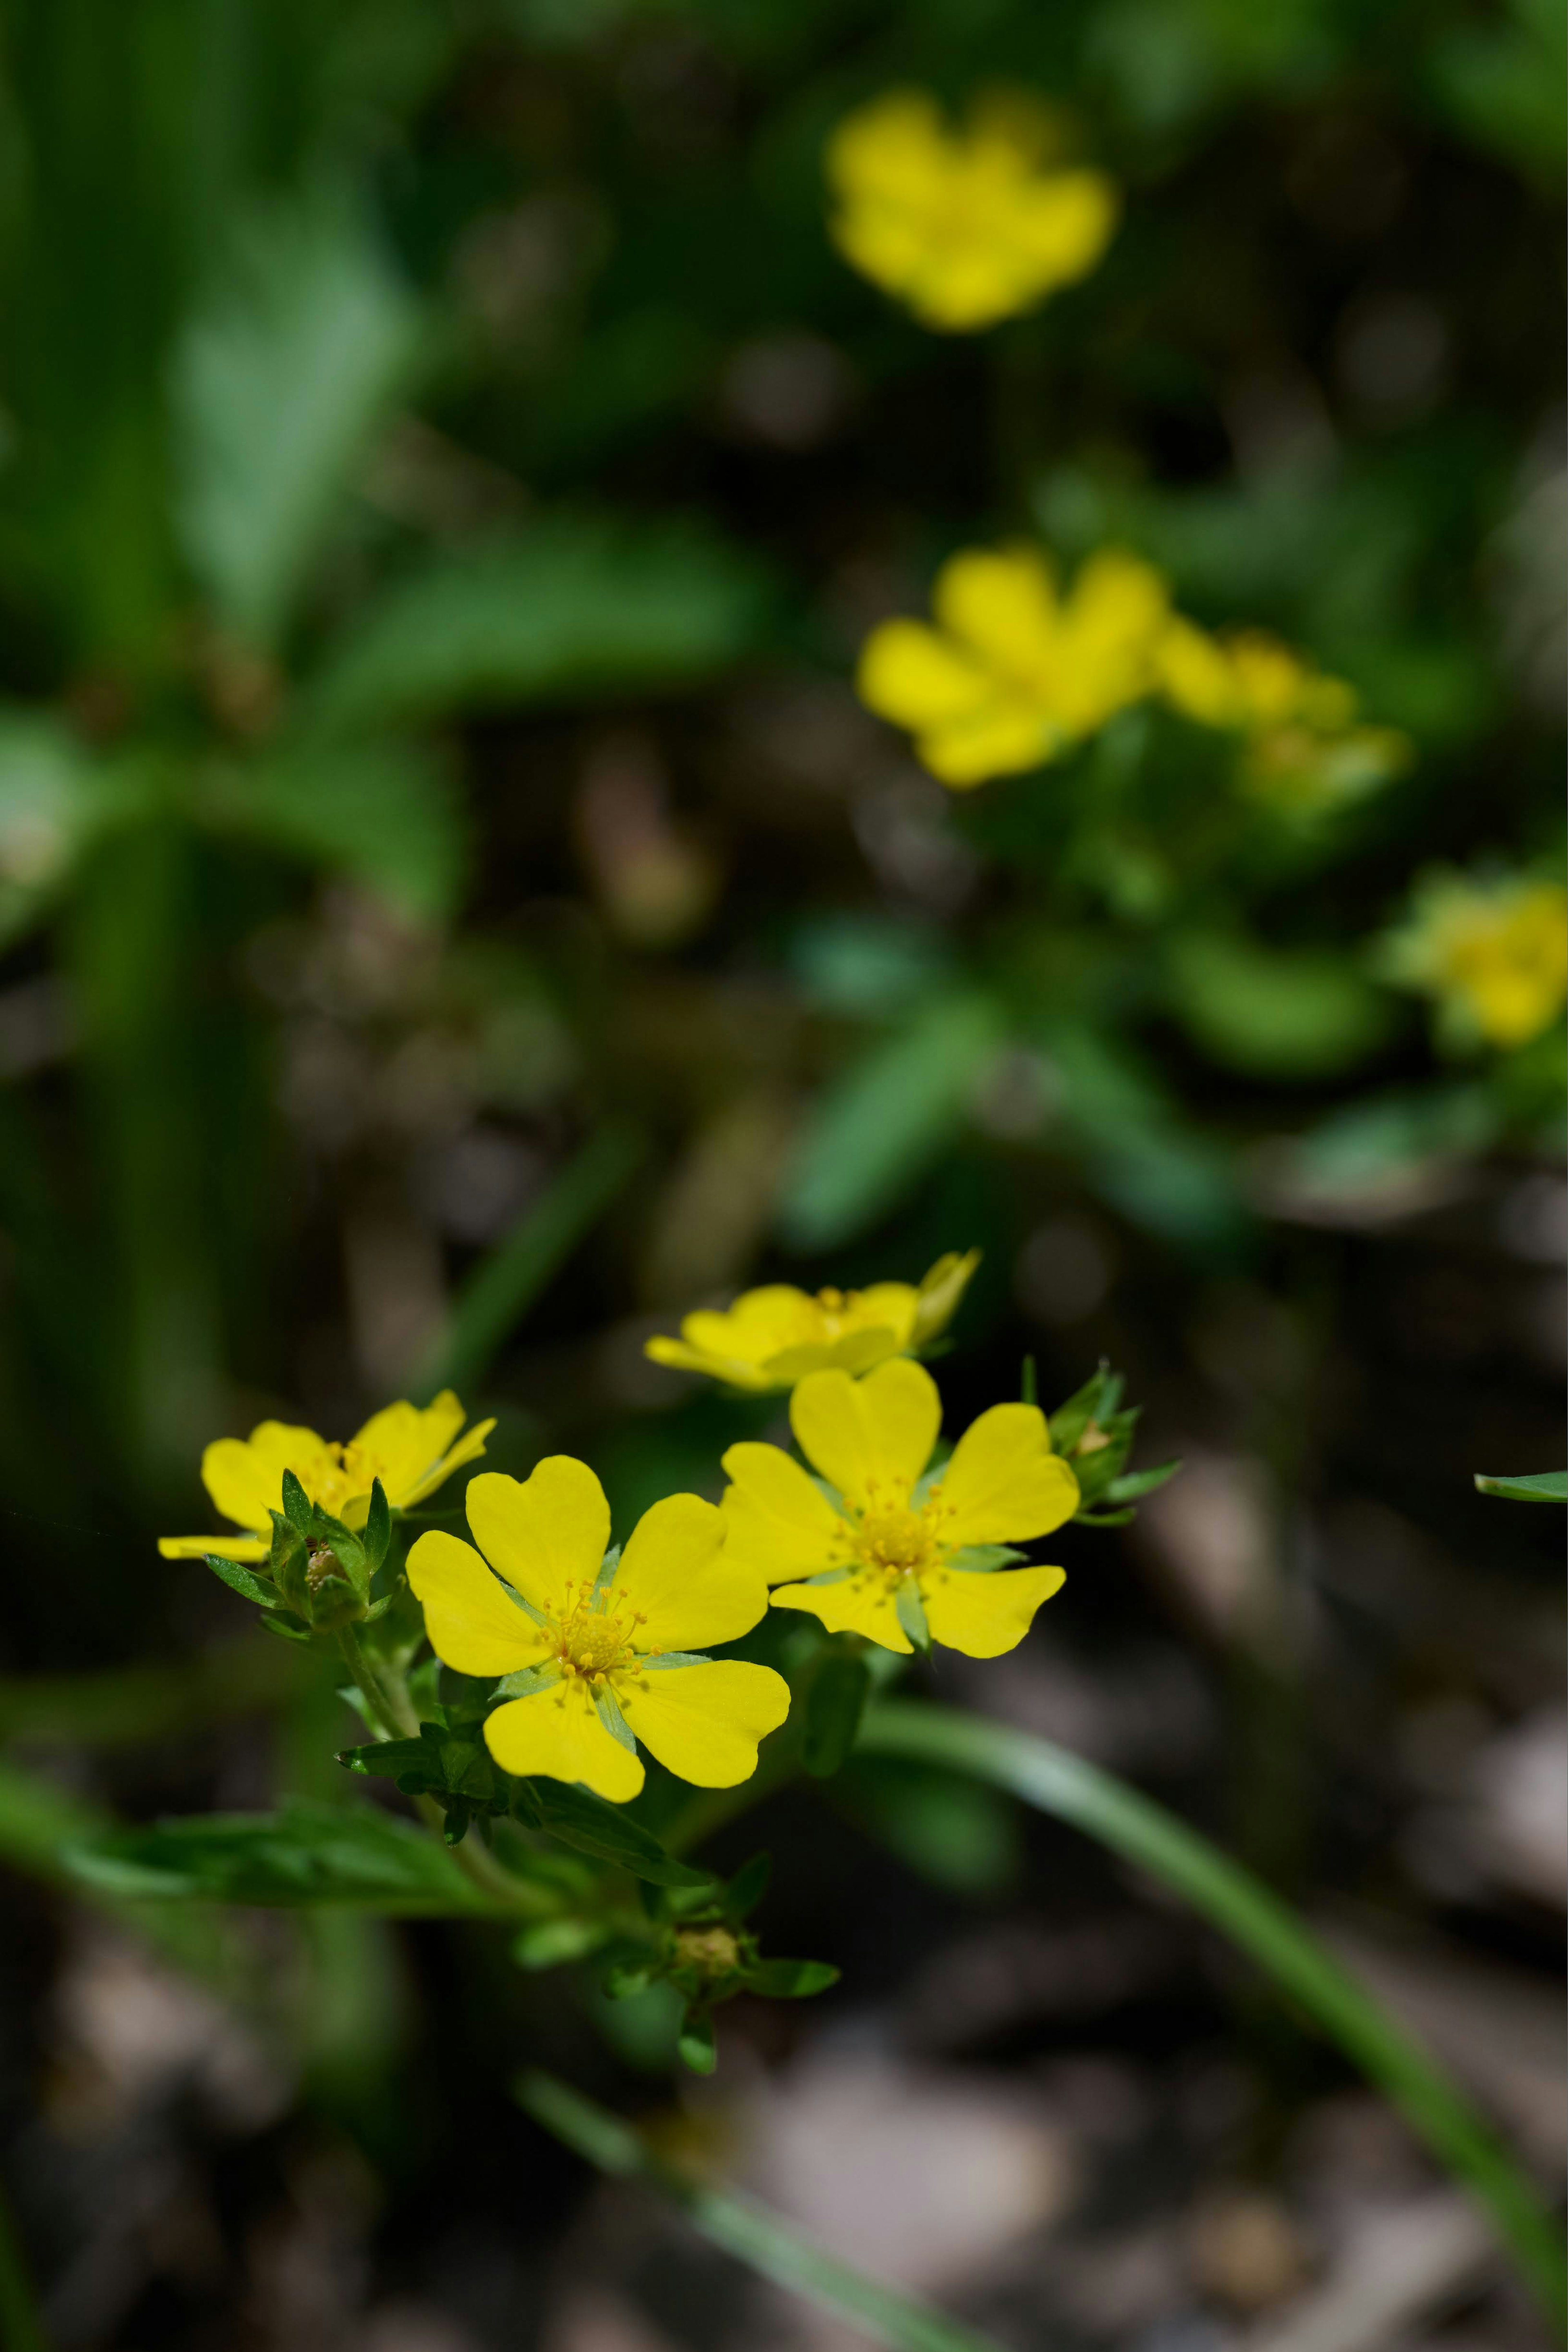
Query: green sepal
{"type": "Point", "coordinates": [911, 1612]}
{"type": "Point", "coordinates": [287, 1626]}
{"type": "Point", "coordinates": [298, 1508]}
{"type": "Point", "coordinates": [1104, 1518]}
{"type": "Point", "coordinates": [983, 1560]}
{"type": "Point", "coordinates": [667, 1658]}
{"type": "Point", "coordinates": [580, 1819]}
{"type": "Point", "coordinates": [608, 1713]}
{"type": "Point", "coordinates": [747, 1888]}
{"type": "Point", "coordinates": [696, 2043]}
{"type": "Point", "coordinates": [377, 1535]}
{"type": "Point", "coordinates": [834, 1703]}
{"type": "Point", "coordinates": [605, 1579]}
{"type": "Point", "coordinates": [789, 1980]}
{"type": "Point", "coordinates": [1135, 1483]}
{"type": "Point", "coordinates": [527, 1680]}
{"type": "Point", "coordinates": [243, 1580]}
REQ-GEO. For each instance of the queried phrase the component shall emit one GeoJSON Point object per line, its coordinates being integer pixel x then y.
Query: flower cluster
{"type": "Point", "coordinates": [1490, 951]}
{"type": "Point", "coordinates": [1015, 670]}
{"type": "Point", "coordinates": [965, 226]}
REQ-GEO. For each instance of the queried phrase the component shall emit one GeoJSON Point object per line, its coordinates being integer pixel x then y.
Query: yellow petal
{"type": "Point", "coordinates": [872, 1438]}
{"type": "Point", "coordinates": [473, 1624]}
{"type": "Point", "coordinates": [910, 673]}
{"type": "Point", "coordinates": [542, 1532]}
{"type": "Point", "coordinates": [1063, 225]}
{"type": "Point", "coordinates": [1194, 674]}
{"type": "Point", "coordinates": [1001, 603]}
{"type": "Point", "coordinates": [1003, 1484]}
{"type": "Point", "coordinates": [676, 1574]}
{"type": "Point", "coordinates": [984, 1615]}
{"type": "Point", "coordinates": [779, 1523]}
{"type": "Point", "coordinates": [936, 1301]}
{"type": "Point", "coordinates": [225, 1547]}
{"type": "Point", "coordinates": [400, 1442]}
{"type": "Point", "coordinates": [1007, 737]}
{"type": "Point", "coordinates": [244, 1477]}
{"type": "Point", "coordinates": [858, 1605]}
{"type": "Point", "coordinates": [466, 1450]}
{"type": "Point", "coordinates": [703, 1722]}
{"type": "Point", "coordinates": [558, 1733]}
{"type": "Point", "coordinates": [682, 1357]}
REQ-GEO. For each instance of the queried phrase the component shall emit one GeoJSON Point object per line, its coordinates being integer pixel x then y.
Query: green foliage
{"type": "Point", "coordinates": [1543, 1487]}
{"type": "Point", "coordinates": [580, 606]}
{"type": "Point", "coordinates": [578, 1819]}
{"type": "Point", "coordinates": [449, 1762]}
{"type": "Point", "coordinates": [1095, 1432]}
{"type": "Point", "coordinates": [307, 1853]}
{"type": "Point", "coordinates": [835, 1699]}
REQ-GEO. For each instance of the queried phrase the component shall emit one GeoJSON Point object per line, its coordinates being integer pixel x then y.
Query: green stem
{"type": "Point", "coordinates": [744, 2228]}
{"type": "Point", "coordinates": [383, 1688]}
{"type": "Point", "coordinates": [1062, 1784]}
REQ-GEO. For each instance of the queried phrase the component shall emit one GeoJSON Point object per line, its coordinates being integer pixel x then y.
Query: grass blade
{"type": "Point", "coordinates": [504, 1286]}
{"type": "Point", "coordinates": [744, 2228]}
{"type": "Point", "coordinates": [1055, 1781]}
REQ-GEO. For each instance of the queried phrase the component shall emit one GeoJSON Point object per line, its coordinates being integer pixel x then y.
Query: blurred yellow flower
{"type": "Point", "coordinates": [410, 1450]}
{"type": "Point", "coordinates": [601, 1649]}
{"type": "Point", "coordinates": [891, 1545]}
{"type": "Point", "coordinates": [965, 226]}
{"type": "Point", "coordinates": [772, 1338]}
{"type": "Point", "coordinates": [1491, 950]}
{"type": "Point", "coordinates": [1304, 750]}
{"type": "Point", "coordinates": [1014, 671]}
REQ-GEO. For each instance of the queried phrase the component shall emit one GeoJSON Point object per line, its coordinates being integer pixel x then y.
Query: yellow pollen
{"type": "Point", "coordinates": [902, 1541]}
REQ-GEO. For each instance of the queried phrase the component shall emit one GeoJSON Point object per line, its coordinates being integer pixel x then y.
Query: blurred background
{"type": "Point", "coordinates": [456, 916]}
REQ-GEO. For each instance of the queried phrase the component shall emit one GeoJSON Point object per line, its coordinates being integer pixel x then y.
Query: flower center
{"type": "Point", "coordinates": [592, 1643]}
{"type": "Point", "coordinates": [713, 1949]}
{"type": "Point", "coordinates": [897, 1541]}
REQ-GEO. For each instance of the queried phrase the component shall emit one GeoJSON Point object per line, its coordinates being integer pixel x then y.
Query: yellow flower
{"type": "Point", "coordinates": [1014, 673]}
{"type": "Point", "coordinates": [601, 1648]}
{"type": "Point", "coordinates": [772, 1338]}
{"type": "Point", "coordinates": [1492, 951]}
{"type": "Point", "coordinates": [967, 226]}
{"type": "Point", "coordinates": [410, 1450]}
{"type": "Point", "coordinates": [1304, 750]}
{"type": "Point", "coordinates": [888, 1534]}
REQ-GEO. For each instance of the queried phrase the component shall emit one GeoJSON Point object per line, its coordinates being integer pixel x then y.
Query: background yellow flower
{"type": "Point", "coordinates": [773, 1337]}
{"type": "Point", "coordinates": [899, 1553]}
{"type": "Point", "coordinates": [603, 1650]}
{"type": "Point", "coordinates": [408, 1447]}
{"type": "Point", "coordinates": [965, 226]}
{"type": "Point", "coordinates": [1492, 953]}
{"type": "Point", "coordinates": [1015, 671]}
{"type": "Point", "coordinates": [1304, 750]}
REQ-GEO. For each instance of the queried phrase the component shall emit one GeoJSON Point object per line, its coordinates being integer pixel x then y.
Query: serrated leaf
{"type": "Point", "coordinates": [288, 364]}
{"type": "Point", "coordinates": [306, 1854]}
{"type": "Point", "coordinates": [789, 1980]}
{"type": "Point", "coordinates": [242, 1579]}
{"type": "Point", "coordinates": [384, 813]}
{"type": "Point", "coordinates": [586, 1822]}
{"type": "Point", "coordinates": [578, 607]}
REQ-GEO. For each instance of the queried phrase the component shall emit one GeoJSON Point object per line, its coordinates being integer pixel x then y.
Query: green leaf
{"type": "Point", "coordinates": [376, 1535]}
{"type": "Point", "coordinates": [307, 1853]}
{"type": "Point", "coordinates": [1533, 1486]}
{"type": "Point", "coordinates": [582, 1820]}
{"type": "Point", "coordinates": [696, 2042]}
{"type": "Point", "coordinates": [1244, 1909]}
{"type": "Point", "coordinates": [293, 358]}
{"type": "Point", "coordinates": [1285, 1012]}
{"type": "Point", "coordinates": [580, 608]}
{"type": "Point", "coordinates": [745, 2229]}
{"type": "Point", "coordinates": [789, 1980]}
{"type": "Point", "coordinates": [879, 1127]}
{"type": "Point", "coordinates": [242, 1579]}
{"type": "Point", "coordinates": [1135, 1483]}
{"type": "Point", "coordinates": [834, 1701]}
{"type": "Point", "coordinates": [56, 798]}
{"type": "Point", "coordinates": [382, 811]}
{"type": "Point", "coordinates": [298, 1508]}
